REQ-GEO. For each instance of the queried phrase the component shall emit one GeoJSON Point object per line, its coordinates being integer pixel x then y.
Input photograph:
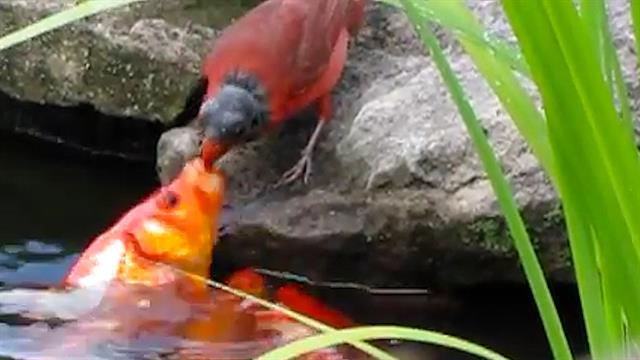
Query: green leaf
{"type": "Point", "coordinates": [495, 60]}
{"type": "Point", "coordinates": [611, 63]}
{"type": "Point", "coordinates": [500, 77]}
{"type": "Point", "coordinates": [532, 268]}
{"type": "Point", "coordinates": [446, 14]}
{"type": "Point", "coordinates": [318, 342]}
{"type": "Point", "coordinates": [54, 21]}
{"type": "Point", "coordinates": [574, 65]}
{"type": "Point", "coordinates": [618, 153]}
{"type": "Point", "coordinates": [635, 15]}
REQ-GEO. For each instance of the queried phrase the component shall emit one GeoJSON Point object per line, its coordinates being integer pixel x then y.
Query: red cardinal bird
{"type": "Point", "coordinates": [275, 61]}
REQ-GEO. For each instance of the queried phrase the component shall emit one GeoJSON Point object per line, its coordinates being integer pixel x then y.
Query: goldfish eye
{"type": "Point", "coordinates": [170, 200]}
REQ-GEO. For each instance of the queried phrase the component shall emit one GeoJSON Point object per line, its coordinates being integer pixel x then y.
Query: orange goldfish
{"type": "Point", "coordinates": [128, 282]}
{"type": "Point", "coordinates": [177, 226]}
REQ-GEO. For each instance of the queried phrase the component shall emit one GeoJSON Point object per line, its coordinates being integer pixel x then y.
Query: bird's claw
{"type": "Point", "coordinates": [301, 168]}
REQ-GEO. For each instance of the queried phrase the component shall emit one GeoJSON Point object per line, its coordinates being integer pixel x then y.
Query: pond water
{"type": "Point", "coordinates": [55, 202]}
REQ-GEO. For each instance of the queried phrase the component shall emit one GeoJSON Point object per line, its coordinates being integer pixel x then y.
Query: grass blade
{"type": "Point", "coordinates": [54, 21]}
{"type": "Point", "coordinates": [595, 157]}
{"type": "Point", "coordinates": [500, 77]}
{"type": "Point", "coordinates": [318, 342]}
{"type": "Point", "coordinates": [442, 13]}
{"type": "Point", "coordinates": [612, 67]}
{"type": "Point", "coordinates": [588, 278]}
{"type": "Point", "coordinates": [370, 349]}
{"type": "Point", "coordinates": [532, 268]}
{"type": "Point", "coordinates": [635, 16]}
{"type": "Point", "coordinates": [619, 154]}
{"type": "Point", "coordinates": [495, 60]}
{"type": "Point", "coordinates": [595, 17]}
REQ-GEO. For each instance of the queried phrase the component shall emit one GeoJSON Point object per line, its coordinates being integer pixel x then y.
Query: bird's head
{"type": "Point", "coordinates": [237, 113]}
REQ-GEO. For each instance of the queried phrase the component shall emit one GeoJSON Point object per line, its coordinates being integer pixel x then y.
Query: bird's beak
{"type": "Point", "coordinates": [211, 150]}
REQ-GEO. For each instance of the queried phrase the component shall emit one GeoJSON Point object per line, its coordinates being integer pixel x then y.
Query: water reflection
{"type": "Point", "coordinates": [125, 321]}
{"type": "Point", "coordinates": [33, 262]}
{"type": "Point", "coordinates": [55, 203]}
{"type": "Point", "coordinates": [50, 193]}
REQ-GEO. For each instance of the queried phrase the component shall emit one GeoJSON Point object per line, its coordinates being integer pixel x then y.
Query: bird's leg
{"type": "Point", "coordinates": [304, 164]}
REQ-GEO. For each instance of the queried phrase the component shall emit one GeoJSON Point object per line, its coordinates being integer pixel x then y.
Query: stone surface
{"type": "Point", "coordinates": [397, 197]}
{"type": "Point", "coordinates": [177, 146]}
{"type": "Point", "coordinates": [127, 62]}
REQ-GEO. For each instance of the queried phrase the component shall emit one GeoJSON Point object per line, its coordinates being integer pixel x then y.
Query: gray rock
{"type": "Point", "coordinates": [175, 147]}
{"type": "Point", "coordinates": [398, 195]}
{"type": "Point", "coordinates": [127, 62]}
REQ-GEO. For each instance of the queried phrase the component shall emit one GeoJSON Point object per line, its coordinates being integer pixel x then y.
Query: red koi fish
{"type": "Point", "coordinates": [278, 59]}
{"type": "Point", "coordinates": [289, 329]}
{"type": "Point", "coordinates": [176, 225]}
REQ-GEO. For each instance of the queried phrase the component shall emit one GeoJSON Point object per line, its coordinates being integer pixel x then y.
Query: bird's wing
{"type": "Point", "coordinates": [285, 42]}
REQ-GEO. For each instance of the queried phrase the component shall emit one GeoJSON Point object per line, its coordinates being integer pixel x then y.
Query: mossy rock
{"type": "Point", "coordinates": [138, 61]}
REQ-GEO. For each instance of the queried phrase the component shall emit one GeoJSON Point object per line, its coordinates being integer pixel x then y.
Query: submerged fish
{"type": "Point", "coordinates": [289, 329]}
{"type": "Point", "coordinates": [129, 284]}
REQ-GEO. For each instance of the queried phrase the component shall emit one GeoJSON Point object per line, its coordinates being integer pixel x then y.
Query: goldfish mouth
{"type": "Point", "coordinates": [211, 151]}
{"type": "Point", "coordinates": [141, 268]}
{"type": "Point", "coordinates": [134, 242]}
{"type": "Point", "coordinates": [168, 240]}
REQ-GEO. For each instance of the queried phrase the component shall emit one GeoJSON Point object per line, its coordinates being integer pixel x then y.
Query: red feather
{"type": "Point", "coordinates": [289, 45]}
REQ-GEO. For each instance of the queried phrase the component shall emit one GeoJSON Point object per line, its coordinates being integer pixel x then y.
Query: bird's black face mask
{"type": "Point", "coordinates": [235, 115]}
